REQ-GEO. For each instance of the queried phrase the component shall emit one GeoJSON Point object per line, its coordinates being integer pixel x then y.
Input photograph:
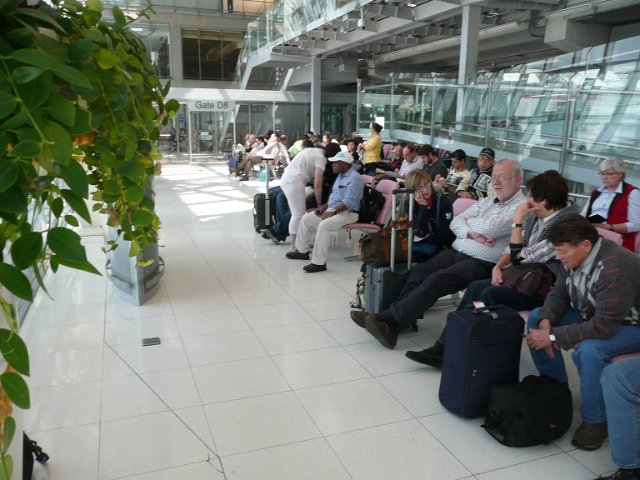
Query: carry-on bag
{"type": "Point", "coordinates": [482, 349]}
{"type": "Point", "coordinates": [383, 284]}
{"type": "Point", "coordinates": [534, 411]}
{"type": "Point", "coordinates": [264, 209]}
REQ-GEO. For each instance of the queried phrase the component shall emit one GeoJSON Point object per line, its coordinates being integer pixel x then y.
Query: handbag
{"type": "Point", "coordinates": [528, 279]}
{"type": "Point", "coordinates": [375, 247]}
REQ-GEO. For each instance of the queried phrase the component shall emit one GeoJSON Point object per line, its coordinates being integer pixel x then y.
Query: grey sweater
{"type": "Point", "coordinates": [609, 295]}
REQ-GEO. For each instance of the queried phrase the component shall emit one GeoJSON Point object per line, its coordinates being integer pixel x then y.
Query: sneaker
{"type": "Point", "coordinates": [432, 356]}
{"type": "Point", "coordinates": [296, 255]}
{"type": "Point", "coordinates": [381, 331]}
{"type": "Point", "coordinates": [589, 436]}
{"type": "Point", "coordinates": [272, 236]}
{"type": "Point", "coordinates": [623, 474]}
{"type": "Point", "coordinates": [313, 268]}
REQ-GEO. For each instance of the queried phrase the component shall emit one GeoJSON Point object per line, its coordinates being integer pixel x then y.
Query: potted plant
{"type": "Point", "coordinates": [80, 104]}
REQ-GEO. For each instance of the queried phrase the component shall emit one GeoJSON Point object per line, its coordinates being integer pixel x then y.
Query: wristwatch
{"type": "Point", "coordinates": [516, 225]}
{"type": "Point", "coordinates": [552, 337]}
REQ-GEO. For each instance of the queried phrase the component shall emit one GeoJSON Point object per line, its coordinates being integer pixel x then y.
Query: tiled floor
{"type": "Point", "coordinates": [260, 374]}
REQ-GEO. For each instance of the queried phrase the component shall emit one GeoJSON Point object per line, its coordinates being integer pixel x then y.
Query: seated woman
{"type": "Point", "coordinates": [547, 203]}
{"type": "Point", "coordinates": [616, 205]}
{"type": "Point", "coordinates": [432, 214]}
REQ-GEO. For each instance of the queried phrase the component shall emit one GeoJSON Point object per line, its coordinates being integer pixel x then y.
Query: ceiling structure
{"type": "Point", "coordinates": [424, 35]}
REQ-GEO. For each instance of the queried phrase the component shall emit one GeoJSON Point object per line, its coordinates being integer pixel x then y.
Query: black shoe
{"type": "Point", "coordinates": [264, 235]}
{"type": "Point", "coordinates": [623, 474]}
{"type": "Point", "coordinates": [589, 436]}
{"type": "Point", "coordinates": [271, 236]}
{"type": "Point", "coordinates": [358, 317]}
{"type": "Point", "coordinates": [381, 331]}
{"type": "Point", "coordinates": [296, 255]}
{"type": "Point", "coordinates": [432, 356]}
{"type": "Point", "coordinates": [313, 268]}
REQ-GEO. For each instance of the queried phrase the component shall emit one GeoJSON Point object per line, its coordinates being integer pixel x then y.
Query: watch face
{"type": "Point", "coordinates": [552, 337]}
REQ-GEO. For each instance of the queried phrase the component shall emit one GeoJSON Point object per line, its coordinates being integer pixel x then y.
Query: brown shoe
{"type": "Point", "coordinates": [589, 436]}
{"type": "Point", "coordinates": [358, 317]}
{"type": "Point", "coordinates": [381, 331]}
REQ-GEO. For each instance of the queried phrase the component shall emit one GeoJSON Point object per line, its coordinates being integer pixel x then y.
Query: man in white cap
{"type": "Point", "coordinates": [316, 227]}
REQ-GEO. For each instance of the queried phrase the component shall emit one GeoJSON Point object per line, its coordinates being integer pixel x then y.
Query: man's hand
{"type": "Point", "coordinates": [489, 242]}
{"type": "Point", "coordinates": [538, 338]}
{"type": "Point", "coordinates": [496, 276]}
{"type": "Point", "coordinates": [522, 212]}
{"type": "Point", "coordinates": [327, 214]}
{"type": "Point", "coordinates": [441, 180]}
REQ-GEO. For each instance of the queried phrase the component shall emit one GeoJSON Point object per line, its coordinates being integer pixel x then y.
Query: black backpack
{"type": "Point", "coordinates": [536, 410]}
{"type": "Point", "coordinates": [31, 449]}
{"type": "Point", "coordinates": [370, 205]}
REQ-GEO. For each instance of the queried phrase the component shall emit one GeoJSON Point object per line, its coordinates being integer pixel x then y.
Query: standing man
{"type": "Point", "coordinates": [482, 233]}
{"type": "Point", "coordinates": [343, 207]}
{"type": "Point", "coordinates": [592, 308]}
{"type": "Point", "coordinates": [479, 186]}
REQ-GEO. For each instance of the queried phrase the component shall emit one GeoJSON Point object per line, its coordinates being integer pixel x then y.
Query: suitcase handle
{"type": "Point", "coordinates": [394, 232]}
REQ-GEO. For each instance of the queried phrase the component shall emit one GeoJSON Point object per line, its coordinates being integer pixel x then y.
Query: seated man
{"type": "Point", "coordinates": [482, 233]}
{"type": "Point", "coordinates": [316, 227]}
{"type": "Point", "coordinates": [621, 387]}
{"type": "Point", "coordinates": [479, 185]}
{"type": "Point", "coordinates": [593, 308]}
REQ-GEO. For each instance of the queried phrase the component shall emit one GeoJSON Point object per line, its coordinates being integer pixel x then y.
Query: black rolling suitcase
{"type": "Point", "coordinates": [384, 284]}
{"type": "Point", "coordinates": [264, 211]}
{"type": "Point", "coordinates": [482, 349]}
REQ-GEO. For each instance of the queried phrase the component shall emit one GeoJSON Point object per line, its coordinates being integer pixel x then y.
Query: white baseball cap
{"type": "Point", "coordinates": [345, 157]}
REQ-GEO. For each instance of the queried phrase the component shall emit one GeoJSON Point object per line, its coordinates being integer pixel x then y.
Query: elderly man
{"type": "Point", "coordinates": [482, 232]}
{"type": "Point", "coordinates": [479, 185]}
{"type": "Point", "coordinates": [316, 227]}
{"type": "Point", "coordinates": [593, 308]}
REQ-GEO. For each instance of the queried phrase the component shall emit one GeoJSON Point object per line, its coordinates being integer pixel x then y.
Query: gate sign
{"type": "Point", "coordinates": [212, 105]}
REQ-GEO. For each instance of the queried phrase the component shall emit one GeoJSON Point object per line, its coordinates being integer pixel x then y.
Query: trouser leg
{"type": "Point", "coordinates": [323, 236]}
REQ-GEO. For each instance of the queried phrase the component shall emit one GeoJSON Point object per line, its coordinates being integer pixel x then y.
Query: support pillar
{"type": "Point", "coordinates": [316, 90]}
{"type": "Point", "coordinates": [467, 69]}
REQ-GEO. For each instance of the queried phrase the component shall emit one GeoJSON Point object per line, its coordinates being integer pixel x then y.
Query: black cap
{"type": "Point", "coordinates": [488, 152]}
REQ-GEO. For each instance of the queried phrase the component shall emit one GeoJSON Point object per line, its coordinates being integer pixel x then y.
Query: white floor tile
{"type": "Point", "coordinates": [222, 347]}
{"type": "Point", "coordinates": [400, 451]}
{"type": "Point", "coordinates": [124, 397]}
{"type": "Point", "coordinates": [232, 281]}
{"type": "Point", "coordinates": [61, 406]}
{"type": "Point", "coordinates": [345, 331]}
{"type": "Point", "coordinates": [598, 462]}
{"type": "Point", "coordinates": [176, 387]}
{"type": "Point", "coordinates": [351, 406]}
{"type": "Point", "coordinates": [200, 302]}
{"type": "Point", "coordinates": [62, 339]}
{"type": "Point", "coordinates": [294, 338]}
{"type": "Point", "coordinates": [143, 444]}
{"type": "Point", "coordinates": [184, 286]}
{"type": "Point", "coordinates": [379, 360]}
{"type": "Point", "coordinates": [133, 330]}
{"type": "Point", "coordinates": [240, 379]}
{"type": "Point", "coordinates": [269, 295]}
{"type": "Point", "coordinates": [64, 315]}
{"type": "Point", "coordinates": [73, 451]}
{"type": "Point", "coordinates": [195, 471]}
{"type": "Point", "coordinates": [275, 315]}
{"type": "Point", "coordinates": [556, 466]}
{"type": "Point", "coordinates": [168, 355]}
{"type": "Point", "coordinates": [205, 323]}
{"type": "Point", "coordinates": [328, 309]}
{"type": "Point", "coordinates": [318, 290]}
{"type": "Point", "coordinates": [416, 390]}
{"type": "Point", "coordinates": [195, 420]}
{"type": "Point", "coordinates": [266, 421]}
{"type": "Point", "coordinates": [319, 367]}
{"type": "Point", "coordinates": [66, 367]}
{"type": "Point", "coordinates": [308, 460]}
{"type": "Point", "coordinates": [487, 454]}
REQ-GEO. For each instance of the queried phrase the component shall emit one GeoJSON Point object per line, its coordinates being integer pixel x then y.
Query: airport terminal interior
{"type": "Point", "coordinates": [259, 372]}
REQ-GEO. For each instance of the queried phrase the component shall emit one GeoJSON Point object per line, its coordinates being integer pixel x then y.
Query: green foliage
{"type": "Point", "coordinates": [80, 106]}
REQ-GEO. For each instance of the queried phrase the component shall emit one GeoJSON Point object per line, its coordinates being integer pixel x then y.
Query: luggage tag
{"type": "Point", "coordinates": [481, 308]}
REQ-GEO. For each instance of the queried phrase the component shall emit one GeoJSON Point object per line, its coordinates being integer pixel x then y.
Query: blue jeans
{"type": "Point", "coordinates": [621, 387]}
{"type": "Point", "coordinates": [590, 356]}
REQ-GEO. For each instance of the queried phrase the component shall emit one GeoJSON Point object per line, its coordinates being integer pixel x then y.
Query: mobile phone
{"type": "Point", "coordinates": [146, 342]}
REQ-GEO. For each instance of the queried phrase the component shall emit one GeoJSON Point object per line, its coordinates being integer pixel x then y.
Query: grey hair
{"type": "Point", "coordinates": [516, 166]}
{"type": "Point", "coordinates": [615, 163]}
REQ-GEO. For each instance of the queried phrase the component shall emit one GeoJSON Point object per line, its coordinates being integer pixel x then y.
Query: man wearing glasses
{"type": "Point", "coordinates": [482, 233]}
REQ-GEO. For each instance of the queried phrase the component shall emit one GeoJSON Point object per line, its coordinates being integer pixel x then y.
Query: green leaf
{"type": "Point", "coordinates": [6, 468]}
{"type": "Point", "coordinates": [81, 50]}
{"type": "Point", "coordinates": [35, 57]}
{"type": "Point", "coordinates": [25, 149]}
{"type": "Point", "coordinates": [84, 266]}
{"type": "Point", "coordinates": [141, 218]}
{"type": "Point", "coordinates": [13, 200]}
{"type": "Point", "coordinates": [26, 250]}
{"type": "Point", "coordinates": [95, 5]}
{"type": "Point", "coordinates": [82, 122]}
{"type": "Point", "coordinates": [14, 351]}
{"type": "Point", "coordinates": [106, 59]}
{"type": "Point", "coordinates": [35, 92]}
{"type": "Point", "coordinates": [16, 389]}
{"type": "Point", "coordinates": [134, 194]}
{"type": "Point", "coordinates": [7, 104]}
{"type": "Point", "coordinates": [111, 187]}
{"type": "Point", "coordinates": [26, 74]}
{"type": "Point", "coordinates": [62, 146]}
{"type": "Point", "coordinates": [9, 432]}
{"type": "Point", "coordinates": [71, 75]}
{"type": "Point", "coordinates": [77, 204]}
{"type": "Point", "coordinates": [71, 220]}
{"type": "Point", "coordinates": [172, 105]}
{"type": "Point", "coordinates": [41, 16]}
{"type": "Point", "coordinates": [66, 244]}
{"type": "Point", "coordinates": [16, 120]}
{"type": "Point", "coordinates": [119, 16]}
{"type": "Point", "coordinates": [57, 205]}
{"type": "Point", "coordinates": [62, 110]}
{"type": "Point", "coordinates": [76, 178]}
{"type": "Point", "coordinates": [9, 172]}
{"type": "Point", "coordinates": [15, 281]}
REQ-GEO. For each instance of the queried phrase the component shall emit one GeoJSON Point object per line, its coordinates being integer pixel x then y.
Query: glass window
{"type": "Point", "coordinates": [210, 55]}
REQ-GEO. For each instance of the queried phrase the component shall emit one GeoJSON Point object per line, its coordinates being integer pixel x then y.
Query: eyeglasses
{"type": "Point", "coordinates": [502, 178]}
{"type": "Point", "coordinates": [608, 174]}
{"type": "Point", "coordinates": [424, 186]}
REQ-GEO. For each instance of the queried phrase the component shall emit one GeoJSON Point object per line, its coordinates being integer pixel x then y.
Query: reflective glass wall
{"type": "Point", "coordinates": [157, 38]}
{"type": "Point", "coordinates": [210, 55]}
{"type": "Point", "coordinates": [568, 112]}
